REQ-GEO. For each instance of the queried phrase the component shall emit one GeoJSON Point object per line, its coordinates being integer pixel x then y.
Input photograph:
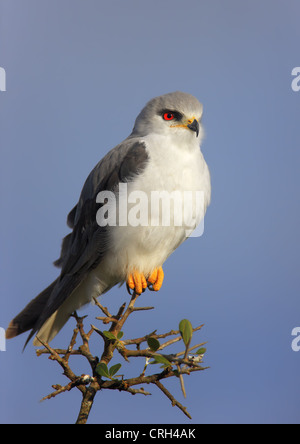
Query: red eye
{"type": "Point", "coordinates": [168, 116]}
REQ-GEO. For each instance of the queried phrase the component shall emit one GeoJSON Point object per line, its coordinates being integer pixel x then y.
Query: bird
{"type": "Point", "coordinates": [161, 154]}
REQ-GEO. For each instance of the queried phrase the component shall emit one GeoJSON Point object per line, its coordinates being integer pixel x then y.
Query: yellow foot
{"type": "Point", "coordinates": [156, 279]}
{"type": "Point", "coordinates": [137, 282]}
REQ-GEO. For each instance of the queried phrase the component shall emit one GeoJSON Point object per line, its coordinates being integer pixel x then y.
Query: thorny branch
{"type": "Point", "coordinates": [173, 364]}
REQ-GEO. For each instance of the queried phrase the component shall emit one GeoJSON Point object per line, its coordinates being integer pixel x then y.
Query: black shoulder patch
{"type": "Point", "coordinates": [134, 162]}
{"type": "Point", "coordinates": [124, 169]}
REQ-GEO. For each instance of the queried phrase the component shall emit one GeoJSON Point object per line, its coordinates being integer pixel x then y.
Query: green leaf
{"type": "Point", "coordinates": [159, 359]}
{"type": "Point", "coordinates": [153, 344]}
{"type": "Point", "coordinates": [114, 369]}
{"type": "Point", "coordinates": [102, 370]}
{"type": "Point", "coordinates": [109, 335]}
{"type": "Point", "coordinates": [201, 351]}
{"type": "Point", "coordinates": [120, 335]}
{"type": "Point", "coordinates": [186, 331]}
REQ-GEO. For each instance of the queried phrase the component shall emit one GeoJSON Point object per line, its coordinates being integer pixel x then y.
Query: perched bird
{"type": "Point", "coordinates": [162, 154]}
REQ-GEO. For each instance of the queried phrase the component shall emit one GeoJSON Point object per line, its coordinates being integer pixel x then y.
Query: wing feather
{"type": "Point", "coordinates": [84, 248]}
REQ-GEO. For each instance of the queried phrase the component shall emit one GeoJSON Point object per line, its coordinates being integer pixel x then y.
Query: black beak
{"type": "Point", "coordinates": [194, 126]}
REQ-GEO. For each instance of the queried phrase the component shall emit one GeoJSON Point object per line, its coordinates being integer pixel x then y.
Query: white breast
{"type": "Point", "coordinates": [171, 167]}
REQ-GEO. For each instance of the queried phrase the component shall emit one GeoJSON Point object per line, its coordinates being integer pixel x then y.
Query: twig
{"type": "Point", "coordinates": [86, 404]}
{"type": "Point", "coordinates": [90, 385]}
{"type": "Point", "coordinates": [181, 380]}
{"type": "Point", "coordinates": [172, 399]}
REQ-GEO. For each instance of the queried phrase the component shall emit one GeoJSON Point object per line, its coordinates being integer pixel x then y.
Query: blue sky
{"type": "Point", "coordinates": [78, 73]}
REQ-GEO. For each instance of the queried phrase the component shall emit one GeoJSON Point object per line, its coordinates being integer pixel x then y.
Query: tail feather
{"type": "Point", "coordinates": [28, 317]}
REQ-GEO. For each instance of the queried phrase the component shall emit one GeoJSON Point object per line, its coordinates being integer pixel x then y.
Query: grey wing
{"type": "Point", "coordinates": [84, 248]}
{"type": "Point", "coordinates": [86, 245]}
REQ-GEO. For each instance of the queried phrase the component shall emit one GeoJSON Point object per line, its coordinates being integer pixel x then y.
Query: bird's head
{"type": "Point", "coordinates": [175, 114]}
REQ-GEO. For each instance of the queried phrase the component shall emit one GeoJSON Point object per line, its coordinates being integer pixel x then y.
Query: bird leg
{"type": "Point", "coordinates": [156, 278]}
{"type": "Point", "coordinates": [137, 282]}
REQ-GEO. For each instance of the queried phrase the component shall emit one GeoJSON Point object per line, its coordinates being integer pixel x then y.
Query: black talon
{"type": "Point", "coordinates": [129, 289]}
